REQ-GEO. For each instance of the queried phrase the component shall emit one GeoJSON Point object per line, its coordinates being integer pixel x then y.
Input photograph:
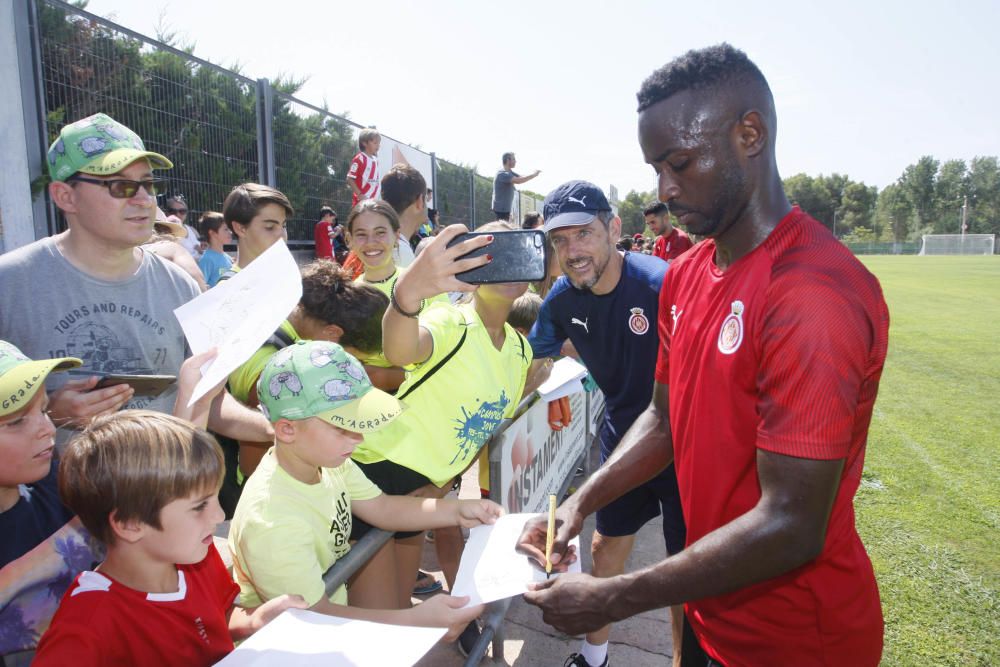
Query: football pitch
{"type": "Point", "coordinates": [928, 509]}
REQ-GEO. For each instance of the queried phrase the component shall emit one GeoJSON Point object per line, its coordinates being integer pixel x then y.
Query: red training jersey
{"type": "Point", "coordinates": [103, 622]}
{"type": "Point", "coordinates": [364, 172]}
{"type": "Point", "coordinates": [324, 244]}
{"type": "Point", "coordinates": [783, 352]}
{"type": "Point", "coordinates": [672, 245]}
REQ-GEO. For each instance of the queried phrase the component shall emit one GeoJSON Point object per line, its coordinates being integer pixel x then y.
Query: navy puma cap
{"type": "Point", "coordinates": [573, 203]}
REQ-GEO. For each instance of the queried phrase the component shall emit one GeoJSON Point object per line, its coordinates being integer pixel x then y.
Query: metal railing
{"type": "Point", "coordinates": [492, 631]}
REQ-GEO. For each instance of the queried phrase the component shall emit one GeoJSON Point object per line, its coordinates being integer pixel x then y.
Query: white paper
{"type": "Point", "coordinates": [491, 569]}
{"type": "Point", "coordinates": [239, 314]}
{"type": "Point", "coordinates": [305, 638]}
{"type": "Point", "coordinates": [565, 379]}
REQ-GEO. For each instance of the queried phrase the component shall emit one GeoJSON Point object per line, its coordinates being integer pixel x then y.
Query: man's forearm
{"type": "Point", "coordinates": [784, 530]}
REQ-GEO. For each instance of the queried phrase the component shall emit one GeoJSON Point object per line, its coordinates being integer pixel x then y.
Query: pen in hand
{"type": "Point", "coordinates": [550, 535]}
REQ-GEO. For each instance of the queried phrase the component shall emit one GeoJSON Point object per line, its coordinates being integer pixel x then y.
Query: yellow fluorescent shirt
{"type": "Point", "coordinates": [244, 378]}
{"type": "Point", "coordinates": [451, 416]}
{"type": "Point", "coordinates": [286, 534]}
{"type": "Point", "coordinates": [385, 286]}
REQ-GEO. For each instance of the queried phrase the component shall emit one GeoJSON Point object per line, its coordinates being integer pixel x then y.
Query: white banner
{"type": "Point", "coordinates": [535, 460]}
{"type": "Point", "coordinates": [392, 152]}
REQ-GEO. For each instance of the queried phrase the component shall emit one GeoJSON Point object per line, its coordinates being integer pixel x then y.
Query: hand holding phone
{"type": "Point", "coordinates": [433, 271]}
{"type": "Point", "coordinates": [518, 257]}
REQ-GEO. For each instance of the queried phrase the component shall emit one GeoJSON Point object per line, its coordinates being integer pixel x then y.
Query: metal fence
{"type": "Point", "coordinates": [883, 247]}
{"type": "Point", "coordinates": [219, 127]}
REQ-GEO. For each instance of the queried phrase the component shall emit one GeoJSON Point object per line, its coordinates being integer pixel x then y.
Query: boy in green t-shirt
{"type": "Point", "coordinates": [294, 517]}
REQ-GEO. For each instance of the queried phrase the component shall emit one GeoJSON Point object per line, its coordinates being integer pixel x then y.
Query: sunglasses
{"type": "Point", "coordinates": [179, 211]}
{"type": "Point", "coordinates": [121, 188]}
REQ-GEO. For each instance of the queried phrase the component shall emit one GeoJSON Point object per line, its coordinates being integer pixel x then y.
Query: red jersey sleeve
{"type": "Point", "coordinates": [660, 247]}
{"type": "Point", "coordinates": [70, 641]}
{"type": "Point", "coordinates": [357, 169]}
{"type": "Point", "coordinates": [665, 328]}
{"type": "Point", "coordinates": [815, 347]}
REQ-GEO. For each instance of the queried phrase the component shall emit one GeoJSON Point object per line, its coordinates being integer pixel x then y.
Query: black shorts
{"type": "Point", "coordinates": [501, 215]}
{"type": "Point", "coordinates": [394, 480]}
{"type": "Point", "coordinates": [626, 515]}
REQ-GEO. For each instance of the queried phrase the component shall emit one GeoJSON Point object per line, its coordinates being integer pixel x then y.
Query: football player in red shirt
{"type": "Point", "coordinates": [671, 242]}
{"type": "Point", "coordinates": [773, 341]}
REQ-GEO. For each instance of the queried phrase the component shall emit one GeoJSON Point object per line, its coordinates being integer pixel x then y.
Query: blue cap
{"type": "Point", "coordinates": [573, 203]}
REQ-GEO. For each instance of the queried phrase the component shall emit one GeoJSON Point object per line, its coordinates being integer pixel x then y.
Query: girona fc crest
{"type": "Point", "coordinates": [731, 333]}
{"type": "Point", "coordinates": [638, 322]}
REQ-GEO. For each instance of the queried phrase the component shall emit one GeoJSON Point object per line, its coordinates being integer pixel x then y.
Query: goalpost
{"type": "Point", "coordinates": [958, 244]}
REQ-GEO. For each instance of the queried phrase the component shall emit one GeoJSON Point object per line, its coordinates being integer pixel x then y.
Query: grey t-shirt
{"type": "Point", "coordinates": [503, 191]}
{"type": "Point", "coordinates": [49, 308]}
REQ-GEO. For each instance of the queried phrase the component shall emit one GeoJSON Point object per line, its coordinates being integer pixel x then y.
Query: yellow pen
{"type": "Point", "coordinates": [550, 534]}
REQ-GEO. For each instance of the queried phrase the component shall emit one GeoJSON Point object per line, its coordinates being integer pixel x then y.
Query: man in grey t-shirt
{"type": "Point", "coordinates": [503, 186]}
{"type": "Point", "coordinates": [92, 291]}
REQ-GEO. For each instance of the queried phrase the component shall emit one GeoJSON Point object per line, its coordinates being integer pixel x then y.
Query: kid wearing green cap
{"type": "Point", "coordinates": [294, 517]}
{"type": "Point", "coordinates": [94, 293]}
{"type": "Point", "coordinates": [32, 518]}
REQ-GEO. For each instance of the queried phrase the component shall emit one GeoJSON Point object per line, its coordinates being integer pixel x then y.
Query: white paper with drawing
{"type": "Point", "coordinates": [564, 379]}
{"type": "Point", "coordinates": [239, 314]}
{"type": "Point", "coordinates": [491, 569]}
{"type": "Point", "coordinates": [305, 638]}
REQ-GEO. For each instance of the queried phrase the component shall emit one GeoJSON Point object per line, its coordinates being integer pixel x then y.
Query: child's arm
{"type": "Point", "coordinates": [245, 622]}
{"type": "Point", "coordinates": [187, 378]}
{"type": "Point", "coordinates": [432, 273]}
{"type": "Point", "coordinates": [440, 611]}
{"type": "Point", "coordinates": [412, 513]}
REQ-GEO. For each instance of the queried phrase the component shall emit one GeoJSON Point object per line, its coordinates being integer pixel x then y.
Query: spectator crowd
{"type": "Point", "coordinates": [739, 373]}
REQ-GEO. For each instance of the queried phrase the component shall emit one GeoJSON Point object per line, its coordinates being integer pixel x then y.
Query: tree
{"type": "Point", "coordinates": [984, 195]}
{"type": "Point", "coordinates": [917, 185]}
{"type": "Point", "coordinates": [630, 211]}
{"type": "Point", "coordinates": [950, 189]}
{"type": "Point", "coordinates": [894, 212]}
{"type": "Point", "coordinates": [857, 207]}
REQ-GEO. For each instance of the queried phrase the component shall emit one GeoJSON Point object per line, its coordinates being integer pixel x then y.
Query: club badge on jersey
{"type": "Point", "coordinates": [638, 322]}
{"type": "Point", "coordinates": [731, 332]}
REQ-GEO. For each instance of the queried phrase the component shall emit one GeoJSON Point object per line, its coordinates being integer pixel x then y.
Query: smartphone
{"type": "Point", "coordinates": [518, 257]}
{"type": "Point", "coordinates": [144, 385]}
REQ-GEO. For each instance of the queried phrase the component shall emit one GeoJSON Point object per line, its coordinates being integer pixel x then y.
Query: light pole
{"type": "Point", "coordinates": [834, 223]}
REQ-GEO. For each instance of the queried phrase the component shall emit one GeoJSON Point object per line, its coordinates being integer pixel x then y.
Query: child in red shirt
{"type": "Point", "coordinates": [146, 485]}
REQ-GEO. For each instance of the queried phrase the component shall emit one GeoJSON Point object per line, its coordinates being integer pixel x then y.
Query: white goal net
{"type": "Point", "coordinates": [958, 244]}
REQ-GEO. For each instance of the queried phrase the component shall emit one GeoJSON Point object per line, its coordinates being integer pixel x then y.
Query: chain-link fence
{"type": "Point", "coordinates": [219, 127]}
{"type": "Point", "coordinates": [199, 115]}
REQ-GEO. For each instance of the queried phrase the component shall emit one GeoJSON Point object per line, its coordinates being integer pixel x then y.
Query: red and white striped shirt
{"type": "Point", "coordinates": [365, 174]}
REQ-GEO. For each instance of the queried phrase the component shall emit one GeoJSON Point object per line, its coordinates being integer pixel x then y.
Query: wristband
{"type": "Point", "coordinates": [399, 309]}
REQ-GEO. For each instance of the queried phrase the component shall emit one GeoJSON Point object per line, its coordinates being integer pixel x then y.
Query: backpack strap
{"type": "Point", "coordinates": [226, 275]}
{"type": "Point", "coordinates": [444, 360]}
{"type": "Point", "coordinates": [438, 365]}
{"type": "Point", "coordinates": [279, 339]}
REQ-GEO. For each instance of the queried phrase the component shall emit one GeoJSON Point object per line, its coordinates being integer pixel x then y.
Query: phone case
{"type": "Point", "coordinates": [518, 257]}
{"type": "Point", "coordinates": [144, 385]}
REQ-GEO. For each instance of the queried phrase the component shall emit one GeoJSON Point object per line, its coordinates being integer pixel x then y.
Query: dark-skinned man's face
{"type": "Point", "coordinates": [690, 145]}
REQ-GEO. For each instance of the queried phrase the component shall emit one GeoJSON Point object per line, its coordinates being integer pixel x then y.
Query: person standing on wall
{"type": "Point", "coordinates": [503, 186]}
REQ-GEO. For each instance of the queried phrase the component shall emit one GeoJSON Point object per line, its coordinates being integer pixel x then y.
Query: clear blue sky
{"type": "Point", "coordinates": [862, 88]}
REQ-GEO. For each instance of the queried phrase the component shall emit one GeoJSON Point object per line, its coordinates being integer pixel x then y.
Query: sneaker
{"type": "Point", "coordinates": [577, 660]}
{"type": "Point", "coordinates": [467, 640]}
{"type": "Point", "coordinates": [426, 583]}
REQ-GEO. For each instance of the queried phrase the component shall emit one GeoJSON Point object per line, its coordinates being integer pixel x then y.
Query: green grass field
{"type": "Point", "coordinates": [929, 506]}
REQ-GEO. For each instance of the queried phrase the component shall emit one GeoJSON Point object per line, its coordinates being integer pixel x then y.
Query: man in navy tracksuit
{"type": "Point", "coordinates": [606, 304]}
